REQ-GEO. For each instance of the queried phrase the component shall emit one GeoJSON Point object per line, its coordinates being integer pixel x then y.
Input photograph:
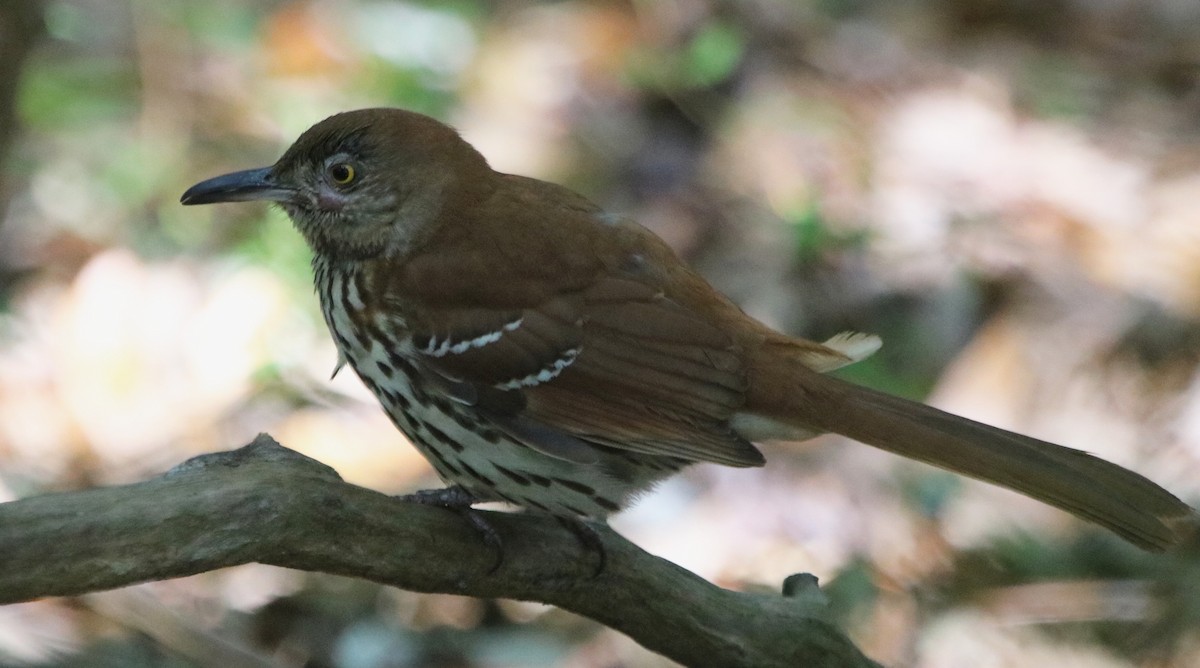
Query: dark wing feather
{"type": "Point", "coordinates": [653, 378]}
{"type": "Point", "coordinates": [512, 346]}
{"type": "Point", "coordinates": [615, 364]}
{"type": "Point", "coordinates": [580, 345]}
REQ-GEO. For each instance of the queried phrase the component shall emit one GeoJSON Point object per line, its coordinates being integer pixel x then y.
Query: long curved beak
{"type": "Point", "coordinates": [244, 186]}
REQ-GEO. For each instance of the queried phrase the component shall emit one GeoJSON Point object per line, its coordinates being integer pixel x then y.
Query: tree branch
{"type": "Point", "coordinates": [265, 503]}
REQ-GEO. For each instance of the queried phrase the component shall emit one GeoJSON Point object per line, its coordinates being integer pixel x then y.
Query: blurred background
{"type": "Point", "coordinates": [1008, 192]}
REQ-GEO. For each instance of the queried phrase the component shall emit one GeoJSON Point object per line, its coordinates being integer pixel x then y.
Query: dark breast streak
{"type": "Point", "coordinates": [462, 446]}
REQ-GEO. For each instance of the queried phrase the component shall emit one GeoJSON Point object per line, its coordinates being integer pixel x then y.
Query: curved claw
{"type": "Point", "coordinates": [589, 538]}
{"type": "Point", "coordinates": [486, 531]}
{"type": "Point", "coordinates": [459, 500]}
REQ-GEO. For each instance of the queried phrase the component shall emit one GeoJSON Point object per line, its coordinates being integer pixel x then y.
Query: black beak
{"type": "Point", "coordinates": [245, 186]}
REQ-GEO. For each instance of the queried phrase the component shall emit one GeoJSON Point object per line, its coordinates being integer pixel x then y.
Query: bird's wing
{"type": "Point", "coordinates": [591, 357]}
{"type": "Point", "coordinates": [650, 376]}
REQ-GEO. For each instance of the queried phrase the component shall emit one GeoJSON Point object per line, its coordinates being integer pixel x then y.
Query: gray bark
{"type": "Point", "coordinates": [264, 503]}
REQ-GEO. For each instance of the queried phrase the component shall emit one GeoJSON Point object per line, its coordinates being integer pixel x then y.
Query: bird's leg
{"type": "Point", "coordinates": [589, 538]}
{"type": "Point", "coordinates": [459, 499]}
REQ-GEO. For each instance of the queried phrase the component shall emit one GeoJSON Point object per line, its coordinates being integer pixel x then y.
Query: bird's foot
{"type": "Point", "coordinates": [459, 500]}
{"type": "Point", "coordinates": [454, 496]}
{"type": "Point", "coordinates": [589, 538]}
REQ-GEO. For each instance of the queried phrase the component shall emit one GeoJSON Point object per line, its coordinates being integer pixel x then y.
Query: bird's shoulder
{"type": "Point", "coordinates": [527, 241]}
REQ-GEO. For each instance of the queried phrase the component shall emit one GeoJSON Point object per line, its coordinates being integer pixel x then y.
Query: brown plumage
{"type": "Point", "coordinates": [540, 351]}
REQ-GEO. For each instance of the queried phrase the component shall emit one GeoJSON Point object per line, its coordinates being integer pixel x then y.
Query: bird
{"type": "Point", "coordinates": [540, 351]}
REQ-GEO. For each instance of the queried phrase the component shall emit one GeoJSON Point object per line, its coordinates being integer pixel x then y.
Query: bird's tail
{"type": "Point", "coordinates": [1125, 502]}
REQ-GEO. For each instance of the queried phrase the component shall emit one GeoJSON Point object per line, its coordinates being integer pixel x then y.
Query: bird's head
{"type": "Point", "coordinates": [362, 184]}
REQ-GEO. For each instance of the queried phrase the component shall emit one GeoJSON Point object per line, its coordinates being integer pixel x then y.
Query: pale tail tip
{"type": "Point", "coordinates": [1186, 533]}
{"type": "Point", "coordinates": [854, 345]}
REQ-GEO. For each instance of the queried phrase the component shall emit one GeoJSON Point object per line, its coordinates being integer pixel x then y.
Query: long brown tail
{"type": "Point", "coordinates": [1129, 504]}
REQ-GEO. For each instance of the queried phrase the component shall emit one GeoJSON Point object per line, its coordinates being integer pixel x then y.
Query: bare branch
{"type": "Point", "coordinates": [265, 503]}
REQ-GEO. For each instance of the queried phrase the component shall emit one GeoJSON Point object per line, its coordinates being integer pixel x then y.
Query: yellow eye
{"type": "Point", "coordinates": [342, 173]}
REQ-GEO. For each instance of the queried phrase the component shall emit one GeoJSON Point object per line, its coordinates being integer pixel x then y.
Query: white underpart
{"type": "Point", "coordinates": [448, 346]}
{"type": "Point", "coordinates": [432, 429]}
{"type": "Point", "coordinates": [339, 319]}
{"type": "Point", "coordinates": [353, 297]}
{"type": "Point", "coordinates": [547, 373]}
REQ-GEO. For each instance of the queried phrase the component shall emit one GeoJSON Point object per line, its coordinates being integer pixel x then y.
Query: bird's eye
{"type": "Point", "coordinates": [342, 173]}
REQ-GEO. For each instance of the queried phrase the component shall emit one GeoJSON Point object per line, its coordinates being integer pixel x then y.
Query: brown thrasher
{"type": "Point", "coordinates": [542, 352]}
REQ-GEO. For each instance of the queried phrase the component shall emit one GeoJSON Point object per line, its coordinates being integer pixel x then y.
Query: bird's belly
{"type": "Point", "coordinates": [465, 448]}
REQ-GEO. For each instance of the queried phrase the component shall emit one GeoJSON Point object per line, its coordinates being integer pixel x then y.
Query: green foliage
{"type": "Point", "coordinates": [75, 94]}
{"type": "Point", "coordinates": [852, 593]}
{"type": "Point", "coordinates": [710, 56]}
{"type": "Point", "coordinates": [271, 242]}
{"type": "Point", "coordinates": [930, 490]}
{"type": "Point", "coordinates": [814, 237]}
